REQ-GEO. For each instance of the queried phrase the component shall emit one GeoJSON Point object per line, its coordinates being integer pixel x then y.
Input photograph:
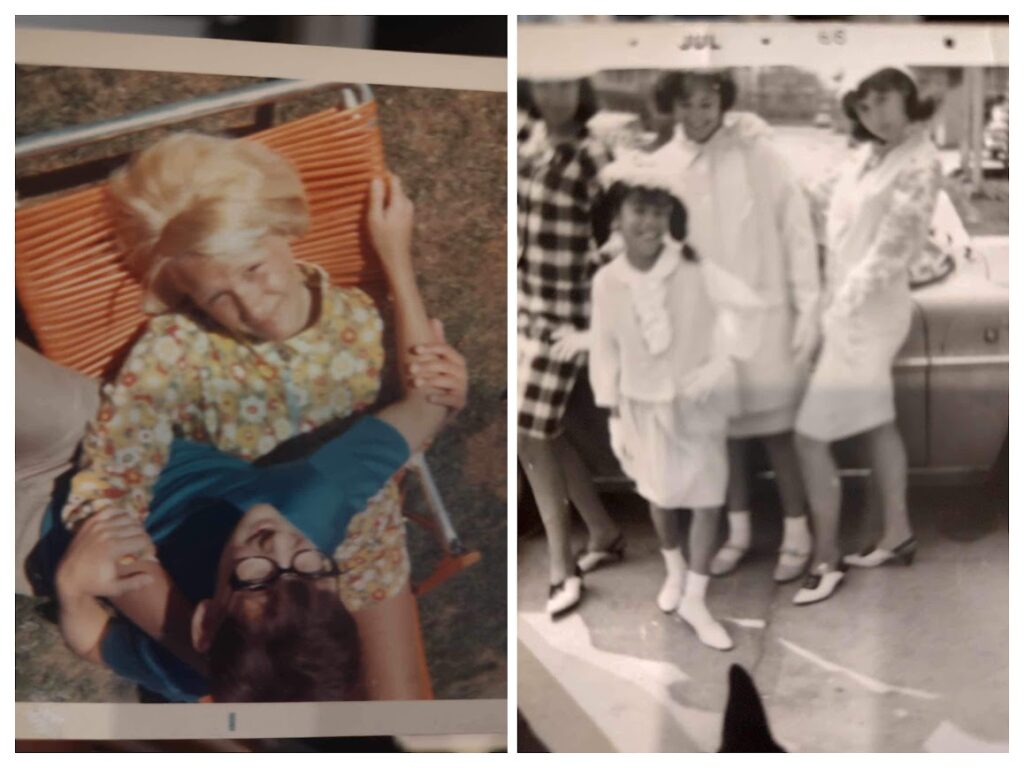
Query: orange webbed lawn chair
{"type": "Point", "coordinates": [84, 307]}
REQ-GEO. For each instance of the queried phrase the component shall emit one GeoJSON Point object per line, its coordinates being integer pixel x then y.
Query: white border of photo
{"type": "Point", "coordinates": [51, 720]}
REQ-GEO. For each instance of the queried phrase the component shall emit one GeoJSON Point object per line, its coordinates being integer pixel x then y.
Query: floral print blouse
{"type": "Point", "coordinates": [184, 379]}
{"type": "Point", "coordinates": [882, 203]}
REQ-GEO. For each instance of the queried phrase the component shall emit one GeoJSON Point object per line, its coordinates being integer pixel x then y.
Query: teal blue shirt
{"type": "Point", "coordinates": [200, 497]}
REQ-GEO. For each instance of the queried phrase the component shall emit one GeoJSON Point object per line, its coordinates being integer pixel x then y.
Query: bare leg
{"type": "Point", "coordinates": [692, 607]}
{"type": "Point", "coordinates": [394, 664]}
{"type": "Point", "coordinates": [737, 499]}
{"type": "Point", "coordinates": [666, 525]}
{"type": "Point", "coordinates": [547, 482]}
{"type": "Point", "coordinates": [889, 467]}
{"type": "Point", "coordinates": [823, 493]}
{"type": "Point", "coordinates": [795, 550]}
{"type": "Point", "coordinates": [703, 532]}
{"type": "Point", "coordinates": [873, 506]}
{"type": "Point", "coordinates": [601, 529]}
{"type": "Point", "coordinates": [782, 455]}
{"type": "Point", "coordinates": [737, 495]}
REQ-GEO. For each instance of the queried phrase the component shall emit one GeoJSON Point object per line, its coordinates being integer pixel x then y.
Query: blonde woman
{"type": "Point", "coordinates": [249, 350]}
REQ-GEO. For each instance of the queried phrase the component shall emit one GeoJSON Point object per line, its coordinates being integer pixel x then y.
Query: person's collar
{"type": "Point", "coordinates": [736, 126]}
{"type": "Point", "coordinates": [316, 276]}
{"type": "Point", "coordinates": [690, 149]}
{"type": "Point", "coordinates": [665, 264]}
{"type": "Point", "coordinates": [912, 137]}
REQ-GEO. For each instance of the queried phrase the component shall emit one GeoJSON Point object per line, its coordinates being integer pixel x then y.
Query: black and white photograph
{"type": "Point", "coordinates": [222, 281]}
{"type": "Point", "coordinates": [763, 386]}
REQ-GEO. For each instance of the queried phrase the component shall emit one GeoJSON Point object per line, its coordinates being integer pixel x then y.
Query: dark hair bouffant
{"type": "Point", "coordinates": [303, 646]}
{"type": "Point", "coordinates": [587, 106]}
{"type": "Point", "coordinates": [887, 79]}
{"type": "Point", "coordinates": [672, 87]}
{"type": "Point", "coordinates": [611, 202]}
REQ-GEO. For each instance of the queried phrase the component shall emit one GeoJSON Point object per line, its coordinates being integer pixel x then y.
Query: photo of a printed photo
{"type": "Point", "coordinates": [763, 320]}
{"type": "Point", "coordinates": [260, 385]}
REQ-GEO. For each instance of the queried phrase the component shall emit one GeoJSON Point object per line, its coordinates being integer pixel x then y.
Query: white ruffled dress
{"type": "Point", "coordinates": [650, 333]}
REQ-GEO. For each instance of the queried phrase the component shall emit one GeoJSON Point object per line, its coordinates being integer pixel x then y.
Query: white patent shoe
{"type": "Point", "coordinates": [564, 596]}
{"type": "Point", "coordinates": [820, 584]}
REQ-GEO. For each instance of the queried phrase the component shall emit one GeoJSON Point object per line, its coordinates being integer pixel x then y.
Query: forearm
{"type": "Point", "coordinates": [603, 364]}
{"type": "Point", "coordinates": [901, 233]}
{"type": "Point", "coordinates": [803, 269]}
{"type": "Point", "coordinates": [412, 323]}
{"type": "Point", "coordinates": [394, 665]}
{"type": "Point", "coordinates": [798, 239]}
{"type": "Point", "coordinates": [604, 370]}
{"type": "Point", "coordinates": [83, 621]}
{"type": "Point", "coordinates": [162, 612]}
{"type": "Point", "coordinates": [604, 379]}
{"type": "Point", "coordinates": [414, 416]}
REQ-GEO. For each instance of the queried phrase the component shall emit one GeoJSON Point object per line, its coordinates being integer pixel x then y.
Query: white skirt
{"type": "Point", "coordinates": [676, 456]}
{"type": "Point", "coordinates": [851, 389]}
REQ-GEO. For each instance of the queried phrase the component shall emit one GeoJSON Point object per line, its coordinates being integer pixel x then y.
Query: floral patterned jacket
{"type": "Point", "coordinates": [874, 214]}
{"type": "Point", "coordinates": [184, 379]}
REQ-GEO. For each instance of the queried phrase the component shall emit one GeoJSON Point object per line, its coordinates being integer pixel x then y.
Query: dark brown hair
{"type": "Point", "coordinates": [587, 105]}
{"type": "Point", "coordinates": [678, 86]}
{"type": "Point", "coordinates": [611, 203]}
{"type": "Point", "coordinates": [887, 79]}
{"type": "Point", "coordinates": [302, 646]}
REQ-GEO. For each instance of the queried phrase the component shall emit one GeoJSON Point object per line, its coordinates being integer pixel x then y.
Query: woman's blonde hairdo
{"type": "Point", "coordinates": [191, 194]}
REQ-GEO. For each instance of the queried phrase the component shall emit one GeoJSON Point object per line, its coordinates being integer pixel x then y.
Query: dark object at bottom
{"type": "Point", "coordinates": [745, 724]}
{"type": "Point", "coordinates": [528, 740]}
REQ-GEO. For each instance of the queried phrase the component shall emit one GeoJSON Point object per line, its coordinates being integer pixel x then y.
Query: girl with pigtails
{"type": "Point", "coordinates": [668, 329]}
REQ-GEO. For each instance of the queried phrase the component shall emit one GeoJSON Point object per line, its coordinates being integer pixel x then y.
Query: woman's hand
{"type": "Point", "coordinates": [104, 557]}
{"type": "Point", "coordinates": [842, 331]}
{"type": "Point", "coordinates": [440, 371]}
{"type": "Point", "coordinates": [806, 337]}
{"type": "Point", "coordinates": [390, 223]}
{"type": "Point", "coordinates": [569, 342]}
{"type": "Point", "coordinates": [702, 382]}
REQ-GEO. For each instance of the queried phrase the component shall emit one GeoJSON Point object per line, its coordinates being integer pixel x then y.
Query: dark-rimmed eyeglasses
{"type": "Point", "coordinates": [258, 572]}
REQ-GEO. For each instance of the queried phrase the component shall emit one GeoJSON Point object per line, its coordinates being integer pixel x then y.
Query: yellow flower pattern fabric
{"type": "Point", "coordinates": [373, 559]}
{"type": "Point", "coordinates": [184, 379]}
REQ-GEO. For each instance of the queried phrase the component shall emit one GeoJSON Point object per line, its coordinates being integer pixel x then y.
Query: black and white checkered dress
{"type": "Point", "coordinates": [558, 186]}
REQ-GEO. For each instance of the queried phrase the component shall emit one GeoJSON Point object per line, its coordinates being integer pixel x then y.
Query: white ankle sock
{"type": "Point", "coordinates": [694, 612]}
{"type": "Point", "coordinates": [672, 590]}
{"type": "Point", "coordinates": [739, 529]}
{"type": "Point", "coordinates": [696, 585]}
{"type": "Point", "coordinates": [675, 563]}
{"type": "Point", "coordinates": [796, 535]}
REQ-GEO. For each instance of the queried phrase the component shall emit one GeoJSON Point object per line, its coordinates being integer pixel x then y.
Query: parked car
{"type": "Point", "coordinates": [996, 137]}
{"type": "Point", "coordinates": [823, 119]}
{"type": "Point", "coordinates": [952, 385]}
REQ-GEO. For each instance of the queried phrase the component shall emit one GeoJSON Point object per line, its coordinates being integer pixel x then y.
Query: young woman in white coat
{"type": "Point", "coordinates": [749, 215]}
{"type": "Point", "coordinates": [878, 208]}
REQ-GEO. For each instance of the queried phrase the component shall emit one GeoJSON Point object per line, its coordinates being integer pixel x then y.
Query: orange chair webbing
{"type": "Point", "coordinates": [83, 306]}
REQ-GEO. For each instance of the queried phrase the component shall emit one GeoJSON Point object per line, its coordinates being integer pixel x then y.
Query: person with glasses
{"type": "Point", "coordinates": [182, 514]}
